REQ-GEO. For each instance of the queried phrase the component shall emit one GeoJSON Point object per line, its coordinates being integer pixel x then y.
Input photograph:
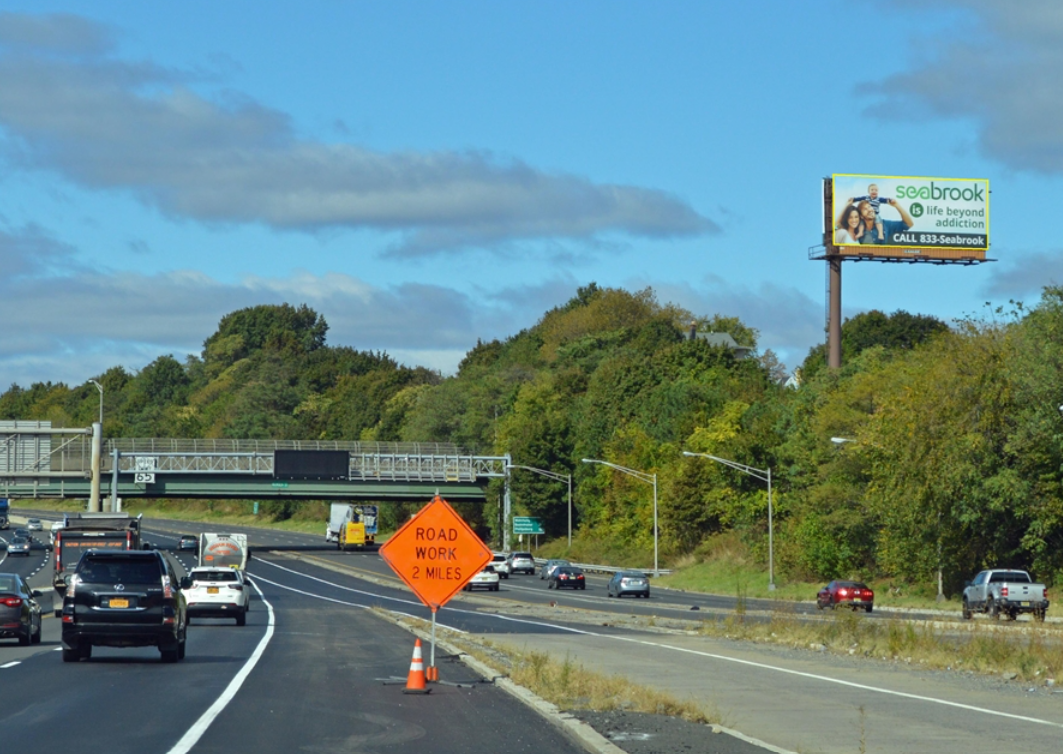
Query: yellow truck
{"type": "Point", "coordinates": [352, 525]}
{"type": "Point", "coordinates": [352, 535]}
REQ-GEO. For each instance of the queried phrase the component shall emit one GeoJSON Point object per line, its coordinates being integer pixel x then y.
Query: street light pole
{"type": "Point", "coordinates": [559, 478]}
{"type": "Point", "coordinates": [100, 388]}
{"type": "Point", "coordinates": [763, 475]}
{"type": "Point", "coordinates": [645, 477]}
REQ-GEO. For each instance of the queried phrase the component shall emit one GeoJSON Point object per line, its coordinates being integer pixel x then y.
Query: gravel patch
{"type": "Point", "coordinates": [645, 733]}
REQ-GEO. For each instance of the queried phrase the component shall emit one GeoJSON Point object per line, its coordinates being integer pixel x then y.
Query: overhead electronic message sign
{"type": "Point", "coordinates": [892, 216]}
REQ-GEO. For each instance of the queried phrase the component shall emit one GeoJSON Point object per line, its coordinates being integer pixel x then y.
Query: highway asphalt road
{"type": "Point", "coordinates": [317, 683]}
{"type": "Point", "coordinates": [306, 673]}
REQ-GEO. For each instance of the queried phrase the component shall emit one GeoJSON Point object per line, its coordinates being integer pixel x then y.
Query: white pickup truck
{"type": "Point", "coordinates": [1006, 592]}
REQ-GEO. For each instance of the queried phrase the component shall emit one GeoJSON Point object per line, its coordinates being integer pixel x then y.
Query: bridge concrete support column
{"type": "Point", "coordinates": [94, 488]}
{"type": "Point", "coordinates": [114, 480]}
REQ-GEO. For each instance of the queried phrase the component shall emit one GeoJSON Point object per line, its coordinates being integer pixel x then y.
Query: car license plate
{"type": "Point", "coordinates": [1024, 604]}
{"type": "Point", "coordinates": [118, 602]}
{"type": "Point", "coordinates": [212, 590]}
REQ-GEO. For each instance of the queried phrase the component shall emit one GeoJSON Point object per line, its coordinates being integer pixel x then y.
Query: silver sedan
{"type": "Point", "coordinates": [628, 582]}
{"type": "Point", "coordinates": [18, 546]}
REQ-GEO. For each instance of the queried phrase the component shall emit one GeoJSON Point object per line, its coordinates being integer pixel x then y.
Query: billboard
{"type": "Point", "coordinates": [897, 216]}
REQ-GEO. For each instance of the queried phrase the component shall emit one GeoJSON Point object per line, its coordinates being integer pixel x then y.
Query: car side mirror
{"type": "Point", "coordinates": [147, 546]}
{"type": "Point", "coordinates": [59, 612]}
{"type": "Point", "coordinates": [36, 593]}
{"type": "Point", "coordinates": [186, 582]}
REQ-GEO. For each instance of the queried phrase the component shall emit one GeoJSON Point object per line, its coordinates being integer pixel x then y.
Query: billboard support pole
{"type": "Point", "coordinates": [834, 280]}
{"type": "Point", "coordinates": [834, 322]}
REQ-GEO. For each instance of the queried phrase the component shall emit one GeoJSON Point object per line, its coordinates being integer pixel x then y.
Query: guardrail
{"type": "Point", "coordinates": [592, 568]}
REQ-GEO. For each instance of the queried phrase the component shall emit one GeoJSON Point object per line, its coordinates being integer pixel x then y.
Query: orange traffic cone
{"type": "Point", "coordinates": [415, 680]}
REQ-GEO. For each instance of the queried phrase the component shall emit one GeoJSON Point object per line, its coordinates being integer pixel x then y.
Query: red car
{"type": "Point", "coordinates": [848, 593]}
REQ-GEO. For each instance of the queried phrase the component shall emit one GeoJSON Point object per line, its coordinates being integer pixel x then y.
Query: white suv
{"type": "Point", "coordinates": [521, 562]}
{"type": "Point", "coordinates": [218, 593]}
{"type": "Point", "coordinates": [501, 564]}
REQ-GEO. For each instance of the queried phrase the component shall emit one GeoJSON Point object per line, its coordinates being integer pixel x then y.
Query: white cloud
{"type": "Point", "coordinates": [996, 64]}
{"type": "Point", "coordinates": [68, 327]}
{"type": "Point", "coordinates": [1024, 276]}
{"type": "Point", "coordinates": [105, 123]}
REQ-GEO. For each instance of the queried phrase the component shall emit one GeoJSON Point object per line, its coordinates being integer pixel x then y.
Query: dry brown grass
{"type": "Point", "coordinates": [1033, 654]}
{"type": "Point", "coordinates": [571, 686]}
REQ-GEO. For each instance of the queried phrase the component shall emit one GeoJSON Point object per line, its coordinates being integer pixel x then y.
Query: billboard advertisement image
{"type": "Point", "coordinates": [894, 216]}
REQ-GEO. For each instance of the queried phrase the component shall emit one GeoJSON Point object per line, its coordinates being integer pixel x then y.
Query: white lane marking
{"type": "Point", "coordinates": [10, 665]}
{"type": "Point", "coordinates": [335, 601]}
{"type": "Point", "coordinates": [192, 736]}
{"type": "Point", "coordinates": [750, 663]}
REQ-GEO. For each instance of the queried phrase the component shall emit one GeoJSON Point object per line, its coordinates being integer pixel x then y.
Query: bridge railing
{"type": "Point", "coordinates": [35, 462]}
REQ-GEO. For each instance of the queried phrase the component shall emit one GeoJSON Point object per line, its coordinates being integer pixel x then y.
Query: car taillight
{"type": "Point", "coordinates": [167, 590]}
{"type": "Point", "coordinates": [168, 616]}
{"type": "Point", "coordinates": [11, 601]}
{"type": "Point", "coordinates": [843, 592]}
{"type": "Point", "coordinates": [236, 587]}
{"type": "Point", "coordinates": [72, 585]}
{"type": "Point", "coordinates": [1004, 591]}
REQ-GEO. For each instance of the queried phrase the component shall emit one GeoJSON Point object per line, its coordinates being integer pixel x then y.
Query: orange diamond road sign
{"type": "Point", "coordinates": [435, 553]}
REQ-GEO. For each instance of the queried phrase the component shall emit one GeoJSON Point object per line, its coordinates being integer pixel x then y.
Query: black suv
{"type": "Point", "coordinates": [125, 598]}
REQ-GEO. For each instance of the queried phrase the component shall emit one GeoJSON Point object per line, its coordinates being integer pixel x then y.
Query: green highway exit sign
{"type": "Point", "coordinates": [527, 525]}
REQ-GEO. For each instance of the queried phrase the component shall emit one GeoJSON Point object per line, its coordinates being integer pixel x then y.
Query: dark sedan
{"type": "Point", "coordinates": [566, 576]}
{"type": "Point", "coordinates": [847, 594]}
{"type": "Point", "coordinates": [20, 613]}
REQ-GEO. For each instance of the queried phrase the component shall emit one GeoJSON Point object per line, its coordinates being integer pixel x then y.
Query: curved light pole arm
{"type": "Point", "coordinates": [763, 475]}
{"type": "Point", "coordinates": [558, 477]}
{"type": "Point", "coordinates": [649, 479]}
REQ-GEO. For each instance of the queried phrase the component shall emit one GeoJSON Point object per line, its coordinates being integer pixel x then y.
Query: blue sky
{"type": "Point", "coordinates": [428, 174]}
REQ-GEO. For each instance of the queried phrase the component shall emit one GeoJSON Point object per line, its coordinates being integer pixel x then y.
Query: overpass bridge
{"type": "Point", "coordinates": [39, 461]}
